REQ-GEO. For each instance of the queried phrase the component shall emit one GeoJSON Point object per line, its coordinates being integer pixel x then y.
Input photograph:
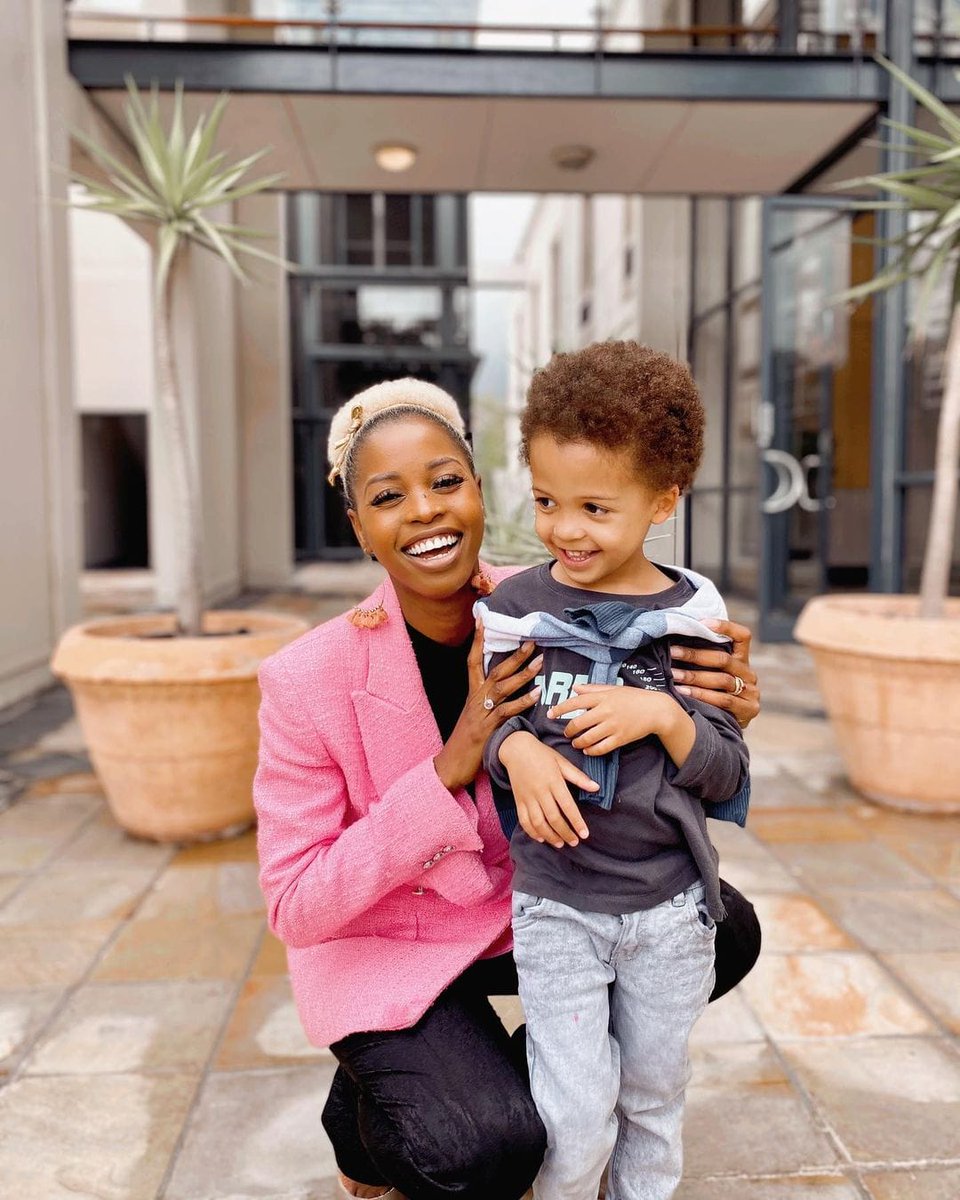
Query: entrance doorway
{"type": "Point", "coordinates": [815, 418]}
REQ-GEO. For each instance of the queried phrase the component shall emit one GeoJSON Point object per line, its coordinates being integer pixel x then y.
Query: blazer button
{"type": "Point", "coordinates": [446, 850]}
{"type": "Point", "coordinates": [428, 864]}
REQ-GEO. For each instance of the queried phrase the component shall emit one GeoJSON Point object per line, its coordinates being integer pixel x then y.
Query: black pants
{"type": "Point", "coordinates": [442, 1110]}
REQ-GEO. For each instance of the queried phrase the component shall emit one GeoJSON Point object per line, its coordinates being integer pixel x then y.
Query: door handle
{"type": "Point", "coordinates": [791, 483]}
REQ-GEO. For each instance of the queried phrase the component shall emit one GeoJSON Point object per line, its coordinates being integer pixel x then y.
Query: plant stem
{"type": "Point", "coordinates": [185, 500]}
{"type": "Point", "coordinates": [938, 556]}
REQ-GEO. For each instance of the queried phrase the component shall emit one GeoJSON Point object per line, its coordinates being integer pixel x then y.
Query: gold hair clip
{"type": "Point", "coordinates": [342, 447]}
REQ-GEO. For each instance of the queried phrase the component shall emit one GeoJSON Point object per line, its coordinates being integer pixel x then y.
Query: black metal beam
{"type": "Point", "coordinates": [699, 75]}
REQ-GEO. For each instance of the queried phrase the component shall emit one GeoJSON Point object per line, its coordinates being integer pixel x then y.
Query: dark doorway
{"type": "Point", "coordinates": [115, 490]}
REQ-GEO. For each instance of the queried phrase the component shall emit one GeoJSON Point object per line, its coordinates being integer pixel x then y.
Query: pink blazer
{"type": "Point", "coordinates": [383, 885]}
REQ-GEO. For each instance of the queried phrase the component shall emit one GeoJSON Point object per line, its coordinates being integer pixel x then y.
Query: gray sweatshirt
{"type": "Point", "coordinates": [653, 842]}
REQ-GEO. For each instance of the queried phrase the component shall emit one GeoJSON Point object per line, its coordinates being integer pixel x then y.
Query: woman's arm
{"type": "Point", "coordinates": [322, 865]}
{"type": "Point", "coordinates": [710, 675]}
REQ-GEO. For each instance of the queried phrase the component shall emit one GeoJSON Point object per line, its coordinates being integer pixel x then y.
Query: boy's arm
{"type": "Point", "coordinates": [717, 765]}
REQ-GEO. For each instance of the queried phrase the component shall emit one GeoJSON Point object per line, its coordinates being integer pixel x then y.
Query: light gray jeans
{"type": "Point", "coordinates": [608, 1064]}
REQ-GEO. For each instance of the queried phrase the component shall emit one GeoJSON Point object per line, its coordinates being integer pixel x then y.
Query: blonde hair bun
{"type": "Point", "coordinates": [394, 393]}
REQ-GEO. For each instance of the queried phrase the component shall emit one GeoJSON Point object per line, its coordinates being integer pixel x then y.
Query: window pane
{"type": "Point", "coordinates": [428, 249]}
{"type": "Point", "coordinates": [916, 515]}
{"type": "Point", "coordinates": [359, 229]}
{"type": "Point", "coordinates": [706, 538]}
{"type": "Point", "coordinates": [397, 226]}
{"type": "Point", "coordinates": [387, 316]}
{"type": "Point", "coordinates": [709, 370]}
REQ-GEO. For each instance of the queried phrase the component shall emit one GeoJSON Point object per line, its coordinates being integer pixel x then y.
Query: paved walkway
{"type": "Point", "coordinates": [149, 1047]}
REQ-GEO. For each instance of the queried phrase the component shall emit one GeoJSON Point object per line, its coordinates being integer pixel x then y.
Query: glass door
{"type": "Point", "coordinates": [814, 424]}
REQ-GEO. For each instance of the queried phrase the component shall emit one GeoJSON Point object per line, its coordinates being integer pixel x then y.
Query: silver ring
{"type": "Point", "coordinates": [489, 703]}
{"type": "Point", "coordinates": [739, 685]}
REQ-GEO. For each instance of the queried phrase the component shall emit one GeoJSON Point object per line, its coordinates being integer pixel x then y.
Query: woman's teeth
{"type": "Point", "coordinates": [431, 545]}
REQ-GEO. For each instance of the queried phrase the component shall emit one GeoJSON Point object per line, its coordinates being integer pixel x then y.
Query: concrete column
{"type": "Point", "coordinates": [40, 532]}
{"type": "Point", "coordinates": [265, 418]}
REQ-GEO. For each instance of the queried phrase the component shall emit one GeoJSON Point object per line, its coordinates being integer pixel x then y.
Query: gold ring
{"type": "Point", "coordinates": [738, 685]}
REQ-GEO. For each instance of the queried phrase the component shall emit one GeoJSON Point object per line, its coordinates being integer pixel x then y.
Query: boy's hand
{"type": "Point", "coordinates": [616, 716]}
{"type": "Point", "coordinates": [538, 778]}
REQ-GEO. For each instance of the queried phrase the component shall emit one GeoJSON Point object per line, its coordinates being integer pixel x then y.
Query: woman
{"type": "Point", "coordinates": [382, 859]}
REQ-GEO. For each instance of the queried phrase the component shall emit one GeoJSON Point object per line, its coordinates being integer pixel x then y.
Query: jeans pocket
{"type": "Point", "coordinates": [525, 906]}
{"type": "Point", "coordinates": [700, 915]}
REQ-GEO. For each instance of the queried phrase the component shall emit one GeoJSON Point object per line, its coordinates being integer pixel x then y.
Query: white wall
{"type": "Point", "coordinates": [39, 532]}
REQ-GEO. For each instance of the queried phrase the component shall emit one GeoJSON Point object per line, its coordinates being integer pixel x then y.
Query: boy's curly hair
{"type": "Point", "coordinates": [621, 396]}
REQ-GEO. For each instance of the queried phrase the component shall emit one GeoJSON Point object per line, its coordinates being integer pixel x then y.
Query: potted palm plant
{"type": "Point", "coordinates": [889, 665]}
{"type": "Point", "coordinates": [167, 702]}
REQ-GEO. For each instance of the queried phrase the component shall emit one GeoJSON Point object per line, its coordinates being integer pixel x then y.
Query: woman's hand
{"type": "Point", "coordinates": [538, 778]}
{"type": "Point", "coordinates": [716, 682]}
{"type": "Point", "coordinates": [459, 761]}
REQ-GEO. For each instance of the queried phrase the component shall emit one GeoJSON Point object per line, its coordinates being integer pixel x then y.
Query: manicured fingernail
{"type": "Point", "coordinates": [677, 651]}
{"type": "Point", "coordinates": [538, 661]}
{"type": "Point", "coordinates": [679, 675]}
{"type": "Point", "coordinates": [711, 622]}
{"type": "Point", "coordinates": [536, 691]}
{"type": "Point", "coordinates": [685, 691]}
{"type": "Point", "coordinates": [583, 833]}
{"type": "Point", "coordinates": [550, 712]}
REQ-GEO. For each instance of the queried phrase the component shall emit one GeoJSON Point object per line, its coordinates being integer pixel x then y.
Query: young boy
{"type": "Point", "coordinates": [616, 894]}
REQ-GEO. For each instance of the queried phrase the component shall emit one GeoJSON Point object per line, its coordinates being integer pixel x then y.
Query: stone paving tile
{"type": "Point", "coordinates": [807, 825]}
{"type": "Point", "coordinates": [746, 863]}
{"type": "Point", "coordinates": [271, 957]}
{"type": "Point", "coordinates": [22, 1014]}
{"type": "Point", "coordinates": [793, 923]}
{"type": "Point", "coordinates": [937, 1183]}
{"type": "Point", "coordinates": [10, 883]}
{"type": "Point", "coordinates": [794, 1187]}
{"type": "Point", "coordinates": [103, 841]}
{"type": "Point", "coordinates": [829, 995]}
{"type": "Point", "coordinates": [108, 1137]}
{"type": "Point", "coordinates": [180, 949]}
{"type": "Point", "coordinates": [54, 817]}
{"type": "Point", "coordinates": [264, 1030]}
{"type": "Point", "coordinates": [867, 866]}
{"type": "Point", "coordinates": [134, 1028]}
{"type": "Point", "coordinates": [888, 1099]}
{"type": "Point", "coordinates": [26, 853]}
{"type": "Point", "coordinates": [221, 850]}
{"type": "Point", "coordinates": [774, 1132]}
{"type": "Point", "coordinates": [899, 921]}
{"type": "Point", "coordinates": [76, 783]}
{"type": "Point", "coordinates": [78, 893]}
{"type": "Point", "coordinates": [225, 889]}
{"type": "Point", "coordinates": [781, 790]}
{"type": "Point", "coordinates": [935, 978]}
{"type": "Point", "coordinates": [931, 843]}
{"type": "Point", "coordinates": [270, 1120]}
{"type": "Point", "coordinates": [726, 1020]}
{"type": "Point", "coordinates": [34, 957]}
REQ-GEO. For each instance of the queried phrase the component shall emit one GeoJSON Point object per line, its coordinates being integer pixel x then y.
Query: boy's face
{"type": "Point", "coordinates": [592, 513]}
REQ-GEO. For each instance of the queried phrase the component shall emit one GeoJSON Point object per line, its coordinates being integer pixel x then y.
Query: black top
{"type": "Point", "coordinates": [443, 670]}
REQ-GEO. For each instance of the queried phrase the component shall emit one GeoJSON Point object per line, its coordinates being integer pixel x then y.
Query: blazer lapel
{"type": "Point", "coordinates": [396, 723]}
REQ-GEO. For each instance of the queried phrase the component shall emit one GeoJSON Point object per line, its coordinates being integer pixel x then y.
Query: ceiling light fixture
{"type": "Point", "coordinates": [573, 157]}
{"type": "Point", "coordinates": [395, 156]}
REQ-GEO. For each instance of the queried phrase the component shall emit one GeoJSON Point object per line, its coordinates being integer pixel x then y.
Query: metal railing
{"type": "Point", "coordinates": [791, 27]}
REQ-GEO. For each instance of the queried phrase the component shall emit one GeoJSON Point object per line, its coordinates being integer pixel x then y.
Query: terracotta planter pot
{"type": "Point", "coordinates": [891, 685]}
{"type": "Point", "coordinates": [171, 722]}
